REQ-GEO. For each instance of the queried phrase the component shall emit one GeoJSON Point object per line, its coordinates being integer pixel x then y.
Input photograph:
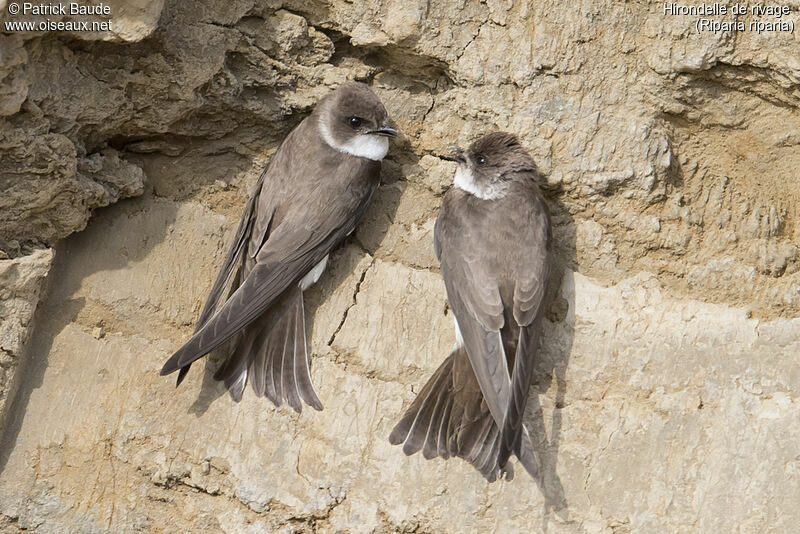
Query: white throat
{"type": "Point", "coordinates": [368, 146]}
{"type": "Point", "coordinates": [465, 181]}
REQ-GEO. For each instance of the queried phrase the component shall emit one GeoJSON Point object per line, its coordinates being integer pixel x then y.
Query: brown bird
{"type": "Point", "coordinates": [308, 199]}
{"type": "Point", "coordinates": [493, 241]}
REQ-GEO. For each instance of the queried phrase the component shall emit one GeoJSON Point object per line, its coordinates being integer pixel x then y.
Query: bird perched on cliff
{"type": "Point", "coordinates": [493, 241]}
{"type": "Point", "coordinates": [308, 199]}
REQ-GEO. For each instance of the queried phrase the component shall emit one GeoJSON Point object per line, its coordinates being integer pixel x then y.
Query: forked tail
{"type": "Point", "coordinates": [450, 418]}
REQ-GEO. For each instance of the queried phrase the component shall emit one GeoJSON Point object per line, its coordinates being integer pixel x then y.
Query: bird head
{"type": "Point", "coordinates": [489, 165]}
{"type": "Point", "coordinates": [353, 120]}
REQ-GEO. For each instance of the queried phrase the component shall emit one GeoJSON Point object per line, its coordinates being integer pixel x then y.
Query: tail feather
{"type": "Point", "coordinates": [276, 362]}
{"type": "Point", "coordinates": [290, 354]}
{"type": "Point", "coordinates": [420, 429]}
{"type": "Point", "coordinates": [272, 354]}
{"type": "Point", "coordinates": [442, 449]}
{"type": "Point", "coordinates": [182, 374]}
{"type": "Point", "coordinates": [403, 429]}
{"type": "Point", "coordinates": [481, 443]}
{"type": "Point", "coordinates": [236, 383]}
{"type": "Point", "coordinates": [280, 368]}
{"type": "Point", "coordinates": [454, 427]}
{"type": "Point", "coordinates": [302, 365]}
{"type": "Point", "coordinates": [528, 457]}
{"type": "Point", "coordinates": [238, 353]}
{"type": "Point", "coordinates": [520, 385]}
{"type": "Point", "coordinates": [431, 447]}
{"type": "Point", "coordinates": [258, 370]}
{"type": "Point", "coordinates": [487, 462]}
{"type": "Point", "coordinates": [450, 418]}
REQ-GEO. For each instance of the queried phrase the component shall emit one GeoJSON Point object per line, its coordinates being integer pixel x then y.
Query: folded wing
{"type": "Point", "coordinates": [291, 250]}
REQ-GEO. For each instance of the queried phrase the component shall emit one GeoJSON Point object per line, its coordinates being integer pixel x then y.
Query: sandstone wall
{"type": "Point", "coordinates": [667, 395]}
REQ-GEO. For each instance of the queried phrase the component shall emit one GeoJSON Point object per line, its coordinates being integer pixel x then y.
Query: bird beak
{"type": "Point", "coordinates": [386, 131]}
{"type": "Point", "coordinates": [458, 155]}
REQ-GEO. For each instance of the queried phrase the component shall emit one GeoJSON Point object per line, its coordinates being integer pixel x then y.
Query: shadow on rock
{"type": "Point", "coordinates": [550, 368]}
{"type": "Point", "coordinates": [78, 257]}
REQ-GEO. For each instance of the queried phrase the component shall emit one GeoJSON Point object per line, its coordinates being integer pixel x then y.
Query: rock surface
{"type": "Point", "coordinates": [21, 284]}
{"type": "Point", "coordinates": [666, 397]}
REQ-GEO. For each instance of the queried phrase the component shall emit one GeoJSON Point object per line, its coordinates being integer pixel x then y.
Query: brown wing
{"type": "Point", "coordinates": [474, 297]}
{"type": "Point", "coordinates": [231, 265]}
{"type": "Point", "coordinates": [303, 239]}
{"type": "Point", "coordinates": [528, 297]}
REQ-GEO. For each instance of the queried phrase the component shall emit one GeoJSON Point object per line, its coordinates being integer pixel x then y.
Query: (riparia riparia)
{"type": "Point", "coordinates": [493, 241]}
{"type": "Point", "coordinates": [308, 199]}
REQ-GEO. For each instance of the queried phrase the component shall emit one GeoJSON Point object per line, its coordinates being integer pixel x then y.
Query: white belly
{"type": "Point", "coordinates": [459, 337]}
{"type": "Point", "coordinates": [313, 275]}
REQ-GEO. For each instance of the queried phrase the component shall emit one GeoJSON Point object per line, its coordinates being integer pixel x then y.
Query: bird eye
{"type": "Point", "coordinates": [481, 160]}
{"type": "Point", "coordinates": [355, 122]}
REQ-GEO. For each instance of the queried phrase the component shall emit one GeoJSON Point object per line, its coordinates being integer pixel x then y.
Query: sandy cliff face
{"type": "Point", "coordinates": [666, 397]}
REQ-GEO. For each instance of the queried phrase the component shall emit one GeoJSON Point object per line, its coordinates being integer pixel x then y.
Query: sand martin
{"type": "Point", "coordinates": [493, 241]}
{"type": "Point", "coordinates": [308, 199]}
